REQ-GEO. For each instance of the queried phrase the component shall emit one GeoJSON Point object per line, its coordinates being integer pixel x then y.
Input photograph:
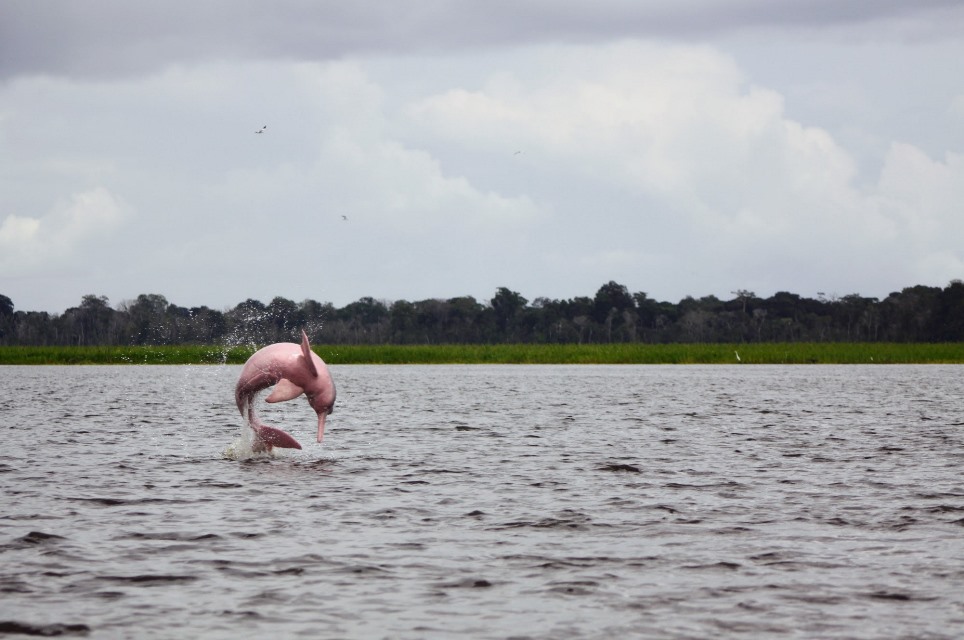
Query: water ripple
{"type": "Point", "coordinates": [488, 502]}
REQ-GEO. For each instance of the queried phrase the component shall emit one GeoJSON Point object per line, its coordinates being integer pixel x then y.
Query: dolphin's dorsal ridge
{"type": "Point", "coordinates": [284, 390]}
{"type": "Point", "coordinates": [306, 352]}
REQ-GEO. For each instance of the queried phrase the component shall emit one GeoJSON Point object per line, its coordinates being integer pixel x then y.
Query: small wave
{"type": "Point", "coordinates": [38, 537]}
{"type": "Point", "coordinates": [715, 566]}
{"type": "Point", "coordinates": [574, 587]}
{"type": "Point", "coordinates": [149, 579]}
{"type": "Point", "coordinates": [896, 596]}
{"type": "Point", "coordinates": [169, 536]}
{"type": "Point", "coordinates": [620, 467]}
{"type": "Point", "coordinates": [57, 629]}
{"type": "Point", "coordinates": [32, 539]}
{"type": "Point", "coordinates": [465, 583]}
{"type": "Point", "coordinates": [116, 502]}
{"type": "Point", "coordinates": [567, 519]}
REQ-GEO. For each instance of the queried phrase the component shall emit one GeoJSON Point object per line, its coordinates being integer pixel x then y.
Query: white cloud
{"type": "Point", "coordinates": [17, 231]}
{"type": "Point", "coordinates": [55, 239]}
{"type": "Point", "coordinates": [682, 130]}
{"type": "Point", "coordinates": [956, 107]}
{"type": "Point", "coordinates": [655, 118]}
{"type": "Point", "coordinates": [350, 163]}
{"type": "Point", "coordinates": [225, 214]}
{"type": "Point", "coordinates": [922, 197]}
{"type": "Point", "coordinates": [665, 167]}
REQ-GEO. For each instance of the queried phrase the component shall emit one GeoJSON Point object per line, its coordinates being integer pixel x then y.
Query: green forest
{"type": "Point", "coordinates": [613, 315]}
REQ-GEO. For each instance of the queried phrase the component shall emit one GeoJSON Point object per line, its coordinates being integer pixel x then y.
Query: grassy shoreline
{"type": "Point", "coordinates": [763, 353]}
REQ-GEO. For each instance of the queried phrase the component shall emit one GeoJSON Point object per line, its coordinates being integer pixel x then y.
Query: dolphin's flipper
{"type": "Point", "coordinates": [276, 437]}
{"type": "Point", "coordinates": [284, 390]}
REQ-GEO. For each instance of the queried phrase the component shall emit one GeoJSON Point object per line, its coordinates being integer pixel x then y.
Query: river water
{"type": "Point", "coordinates": [487, 502]}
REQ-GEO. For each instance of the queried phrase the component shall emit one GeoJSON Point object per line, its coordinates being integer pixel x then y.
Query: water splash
{"type": "Point", "coordinates": [243, 448]}
{"type": "Point", "coordinates": [253, 328]}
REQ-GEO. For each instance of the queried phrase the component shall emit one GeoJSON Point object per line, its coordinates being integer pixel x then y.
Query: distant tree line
{"type": "Point", "coordinates": [915, 314]}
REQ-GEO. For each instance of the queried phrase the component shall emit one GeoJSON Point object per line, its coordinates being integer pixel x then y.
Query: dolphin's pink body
{"type": "Point", "coordinates": [293, 369]}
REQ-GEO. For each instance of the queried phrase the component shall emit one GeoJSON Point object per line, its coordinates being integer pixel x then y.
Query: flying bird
{"type": "Point", "coordinates": [261, 130]}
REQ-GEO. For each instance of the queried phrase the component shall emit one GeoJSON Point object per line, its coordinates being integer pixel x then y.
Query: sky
{"type": "Point", "coordinates": [432, 149]}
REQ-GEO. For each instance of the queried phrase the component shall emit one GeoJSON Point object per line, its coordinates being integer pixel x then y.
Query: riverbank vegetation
{"type": "Point", "coordinates": [613, 316]}
{"type": "Point", "coordinates": [624, 353]}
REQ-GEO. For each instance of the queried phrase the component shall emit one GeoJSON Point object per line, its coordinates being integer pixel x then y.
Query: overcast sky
{"type": "Point", "coordinates": [434, 149]}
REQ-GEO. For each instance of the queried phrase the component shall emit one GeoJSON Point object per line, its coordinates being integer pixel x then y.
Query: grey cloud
{"type": "Point", "coordinates": [103, 38]}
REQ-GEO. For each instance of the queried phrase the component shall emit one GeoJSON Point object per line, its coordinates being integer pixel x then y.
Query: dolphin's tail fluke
{"type": "Point", "coordinates": [266, 437]}
{"type": "Point", "coordinates": [275, 437]}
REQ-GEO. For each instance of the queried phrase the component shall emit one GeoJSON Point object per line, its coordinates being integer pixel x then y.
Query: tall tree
{"type": "Point", "coordinates": [92, 323]}
{"type": "Point", "coordinates": [613, 305]}
{"type": "Point", "coordinates": [146, 317]}
{"type": "Point", "coordinates": [948, 319]}
{"type": "Point", "coordinates": [6, 319]}
{"type": "Point", "coordinates": [507, 305]}
{"type": "Point", "coordinates": [284, 318]}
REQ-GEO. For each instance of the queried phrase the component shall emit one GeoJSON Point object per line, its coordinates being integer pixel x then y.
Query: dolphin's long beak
{"type": "Point", "coordinates": [321, 425]}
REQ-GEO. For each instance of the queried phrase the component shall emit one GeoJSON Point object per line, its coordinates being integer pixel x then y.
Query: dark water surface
{"type": "Point", "coordinates": [488, 502]}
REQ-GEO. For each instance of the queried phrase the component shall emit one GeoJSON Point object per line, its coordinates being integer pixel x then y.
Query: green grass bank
{"type": "Point", "coordinates": [763, 353]}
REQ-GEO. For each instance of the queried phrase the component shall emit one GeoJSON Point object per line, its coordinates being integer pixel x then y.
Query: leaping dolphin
{"type": "Point", "coordinates": [293, 369]}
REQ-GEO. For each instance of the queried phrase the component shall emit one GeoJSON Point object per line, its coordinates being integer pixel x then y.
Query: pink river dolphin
{"type": "Point", "coordinates": [293, 369]}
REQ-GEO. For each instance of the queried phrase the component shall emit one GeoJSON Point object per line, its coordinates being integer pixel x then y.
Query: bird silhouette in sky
{"type": "Point", "coordinates": [261, 130]}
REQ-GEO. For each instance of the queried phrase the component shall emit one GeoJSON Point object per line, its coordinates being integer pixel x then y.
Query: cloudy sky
{"type": "Point", "coordinates": [432, 149]}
